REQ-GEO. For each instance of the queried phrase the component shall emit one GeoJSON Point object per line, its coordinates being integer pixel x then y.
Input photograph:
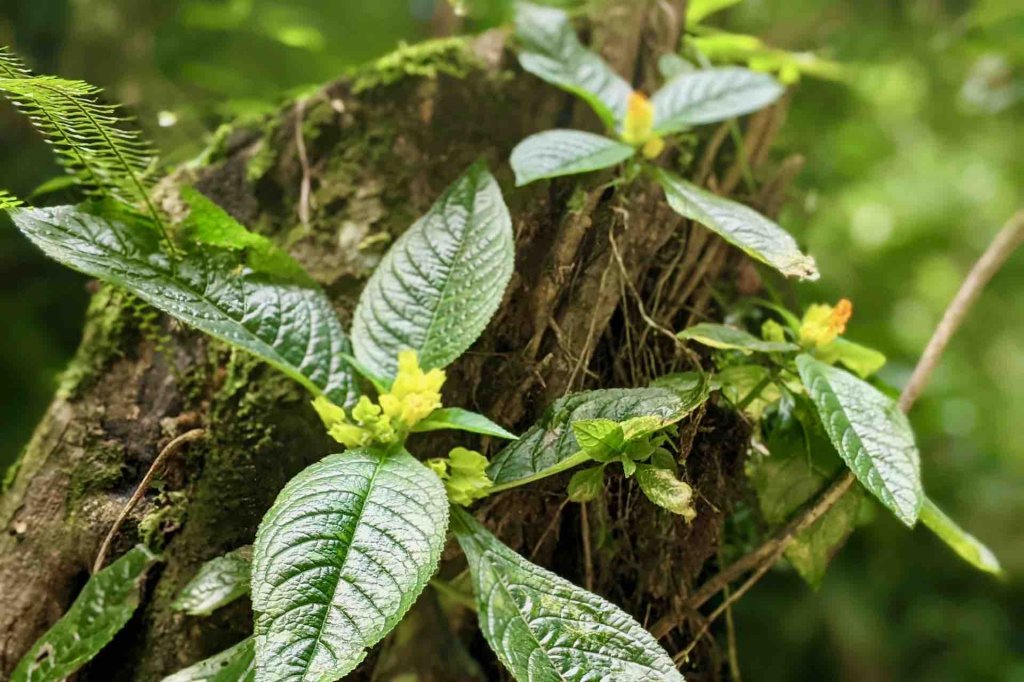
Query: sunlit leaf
{"type": "Point", "coordinates": [860, 360]}
{"type": "Point", "coordinates": [698, 10]}
{"type": "Point", "coordinates": [739, 225]}
{"type": "Point", "coordinates": [438, 286]}
{"type": "Point", "coordinates": [731, 338]}
{"type": "Point", "coordinates": [550, 50]}
{"type": "Point", "coordinates": [542, 627]}
{"type": "Point", "coordinates": [711, 95]}
{"type": "Point", "coordinates": [554, 153]}
{"type": "Point", "coordinates": [550, 445]}
{"type": "Point", "coordinates": [341, 556]}
{"type": "Point", "coordinates": [462, 420]}
{"type": "Point", "coordinates": [662, 488]}
{"type": "Point", "coordinates": [290, 325]}
{"type": "Point", "coordinates": [970, 549]}
{"type": "Point", "coordinates": [871, 434]}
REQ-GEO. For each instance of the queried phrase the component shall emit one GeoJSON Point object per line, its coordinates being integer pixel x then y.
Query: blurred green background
{"type": "Point", "coordinates": [913, 162]}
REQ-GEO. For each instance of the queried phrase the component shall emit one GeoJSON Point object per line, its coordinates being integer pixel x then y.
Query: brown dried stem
{"type": "Point", "coordinates": [140, 490]}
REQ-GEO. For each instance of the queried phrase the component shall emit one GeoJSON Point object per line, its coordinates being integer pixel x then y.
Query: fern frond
{"type": "Point", "coordinates": [95, 144]}
{"type": "Point", "coordinates": [8, 200]}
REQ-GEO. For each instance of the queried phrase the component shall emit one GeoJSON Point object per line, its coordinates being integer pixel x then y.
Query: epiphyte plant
{"type": "Point", "coordinates": [550, 50]}
{"type": "Point", "coordinates": [352, 541]}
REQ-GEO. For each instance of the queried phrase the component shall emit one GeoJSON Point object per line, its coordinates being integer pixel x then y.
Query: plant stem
{"type": "Point", "coordinates": [1008, 239]}
{"type": "Point", "coordinates": [1005, 242]}
{"type": "Point", "coordinates": [564, 465]}
{"type": "Point", "coordinates": [140, 490]}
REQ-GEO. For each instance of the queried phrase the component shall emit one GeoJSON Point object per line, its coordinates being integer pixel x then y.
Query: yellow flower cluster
{"type": "Point", "coordinates": [822, 323]}
{"type": "Point", "coordinates": [638, 127]}
{"type": "Point", "coordinates": [413, 396]}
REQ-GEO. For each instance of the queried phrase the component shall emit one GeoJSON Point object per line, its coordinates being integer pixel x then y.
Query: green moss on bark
{"type": "Point", "coordinates": [429, 59]}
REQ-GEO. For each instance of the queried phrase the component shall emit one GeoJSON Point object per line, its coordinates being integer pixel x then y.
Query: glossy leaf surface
{"type": "Point", "coordinates": [550, 49]}
{"type": "Point", "coordinates": [289, 324]}
{"type": "Point", "coordinates": [871, 434]}
{"type": "Point", "coordinates": [104, 606]}
{"type": "Point", "coordinates": [545, 629]}
{"type": "Point", "coordinates": [551, 443]}
{"type": "Point", "coordinates": [219, 582]}
{"type": "Point", "coordinates": [739, 225]}
{"type": "Point", "coordinates": [341, 556]}
{"type": "Point", "coordinates": [554, 153]}
{"type": "Point", "coordinates": [711, 95]}
{"type": "Point", "coordinates": [235, 664]}
{"type": "Point", "coordinates": [438, 286]}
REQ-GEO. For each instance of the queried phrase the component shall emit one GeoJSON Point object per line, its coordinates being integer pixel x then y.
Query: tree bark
{"type": "Point", "coordinates": [602, 274]}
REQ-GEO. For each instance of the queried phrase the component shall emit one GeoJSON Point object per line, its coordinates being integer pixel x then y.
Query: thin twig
{"type": "Point", "coordinates": [1008, 239]}
{"type": "Point", "coordinates": [725, 606]}
{"type": "Point", "coordinates": [140, 490]}
{"type": "Point", "coordinates": [300, 147]}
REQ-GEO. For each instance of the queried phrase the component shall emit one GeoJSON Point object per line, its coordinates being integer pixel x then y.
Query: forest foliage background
{"type": "Point", "coordinates": [913, 160]}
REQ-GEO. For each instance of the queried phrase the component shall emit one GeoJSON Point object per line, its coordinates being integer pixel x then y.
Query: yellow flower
{"type": "Point", "coordinates": [638, 127]}
{"type": "Point", "coordinates": [822, 323]}
{"type": "Point", "coordinates": [414, 393]}
{"type": "Point", "coordinates": [413, 396]}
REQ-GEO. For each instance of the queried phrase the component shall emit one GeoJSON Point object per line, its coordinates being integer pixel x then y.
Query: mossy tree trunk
{"type": "Point", "coordinates": [602, 274]}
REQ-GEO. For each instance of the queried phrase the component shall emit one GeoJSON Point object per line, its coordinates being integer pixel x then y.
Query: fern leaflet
{"type": "Point", "coordinates": [94, 143]}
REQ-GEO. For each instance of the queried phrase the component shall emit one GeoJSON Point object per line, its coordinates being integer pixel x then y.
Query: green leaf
{"type": "Point", "coordinates": [599, 437]}
{"type": "Point", "coordinates": [542, 627]}
{"type": "Point", "coordinates": [219, 582]}
{"type": "Point", "coordinates": [104, 606]}
{"type": "Point", "coordinates": [665, 490]}
{"type": "Point", "coordinates": [341, 556]}
{"type": "Point", "coordinates": [462, 420]}
{"type": "Point", "coordinates": [802, 463]}
{"type": "Point", "coordinates": [550, 50]}
{"type": "Point", "coordinates": [8, 200]}
{"type": "Point", "coordinates": [565, 152]}
{"type": "Point", "coordinates": [711, 95]}
{"type": "Point", "coordinates": [739, 225]}
{"type": "Point", "coordinates": [738, 381]}
{"type": "Point", "coordinates": [207, 223]}
{"type": "Point", "coordinates": [871, 434]}
{"type": "Point", "coordinates": [550, 445]}
{"type": "Point", "coordinates": [730, 338]}
{"type": "Point", "coordinates": [698, 10]}
{"type": "Point", "coordinates": [91, 140]}
{"type": "Point", "coordinates": [860, 360]}
{"type": "Point", "coordinates": [235, 664]}
{"type": "Point", "coordinates": [290, 325]}
{"type": "Point", "coordinates": [436, 289]}
{"type": "Point", "coordinates": [960, 541]}
{"type": "Point", "coordinates": [586, 484]}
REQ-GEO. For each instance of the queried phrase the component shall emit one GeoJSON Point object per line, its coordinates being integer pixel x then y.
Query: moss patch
{"type": "Point", "coordinates": [429, 59]}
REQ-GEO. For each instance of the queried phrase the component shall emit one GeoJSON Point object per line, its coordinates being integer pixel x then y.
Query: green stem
{"type": "Point", "coordinates": [564, 465]}
{"type": "Point", "coordinates": [445, 588]}
{"type": "Point", "coordinates": [754, 393]}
